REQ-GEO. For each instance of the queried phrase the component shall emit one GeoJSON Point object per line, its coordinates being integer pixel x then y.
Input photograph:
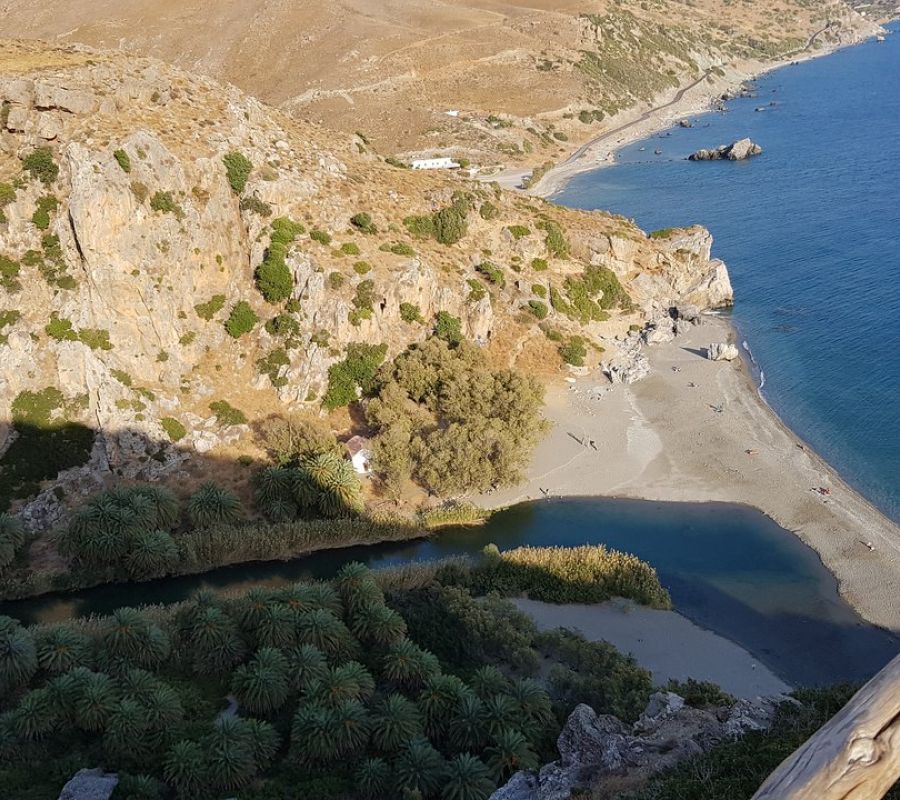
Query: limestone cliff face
{"type": "Point", "coordinates": [123, 288]}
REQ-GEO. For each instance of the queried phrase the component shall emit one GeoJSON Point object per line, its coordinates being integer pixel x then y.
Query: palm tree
{"type": "Point", "coordinates": [273, 483]}
{"type": "Point", "coordinates": [18, 655]}
{"type": "Point", "coordinates": [358, 588]}
{"type": "Point", "coordinates": [230, 753]}
{"type": "Point", "coordinates": [62, 648]}
{"type": "Point", "coordinates": [250, 608]}
{"type": "Point", "coordinates": [151, 554]}
{"type": "Point", "coordinates": [509, 753]}
{"type": "Point", "coordinates": [501, 712]}
{"type": "Point", "coordinates": [36, 715]}
{"type": "Point", "coordinates": [94, 700]}
{"type": "Point", "coordinates": [281, 509]}
{"type": "Point", "coordinates": [303, 490]}
{"type": "Point", "coordinates": [378, 624]}
{"type": "Point", "coordinates": [142, 508]}
{"type": "Point", "coordinates": [211, 638]}
{"type": "Point", "coordinates": [310, 597]}
{"type": "Point", "coordinates": [408, 665]}
{"type": "Point", "coordinates": [12, 529]}
{"type": "Point", "coordinates": [262, 684]}
{"type": "Point", "coordinates": [276, 626]}
{"type": "Point", "coordinates": [395, 721]}
{"type": "Point", "coordinates": [488, 681]}
{"type": "Point", "coordinates": [373, 778]}
{"type": "Point", "coordinates": [264, 741]}
{"type": "Point", "coordinates": [467, 725]}
{"type": "Point", "coordinates": [185, 768]}
{"type": "Point", "coordinates": [213, 504]}
{"type": "Point", "coordinates": [306, 665]}
{"type": "Point", "coordinates": [437, 701]}
{"type": "Point", "coordinates": [324, 630]}
{"type": "Point", "coordinates": [419, 767]}
{"type": "Point", "coordinates": [165, 505]}
{"type": "Point", "coordinates": [467, 778]}
{"type": "Point", "coordinates": [126, 730]}
{"type": "Point", "coordinates": [316, 734]}
{"type": "Point", "coordinates": [128, 635]}
{"type": "Point", "coordinates": [336, 686]}
{"type": "Point", "coordinates": [533, 702]}
{"type": "Point", "coordinates": [353, 725]}
{"type": "Point", "coordinates": [162, 708]}
{"type": "Point", "coordinates": [356, 672]}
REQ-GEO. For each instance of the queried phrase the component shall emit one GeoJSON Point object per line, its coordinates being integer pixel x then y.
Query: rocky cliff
{"type": "Point", "coordinates": [131, 255]}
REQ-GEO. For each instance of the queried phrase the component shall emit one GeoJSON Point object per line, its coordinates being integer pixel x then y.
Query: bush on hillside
{"type": "Point", "coordinates": [238, 168]}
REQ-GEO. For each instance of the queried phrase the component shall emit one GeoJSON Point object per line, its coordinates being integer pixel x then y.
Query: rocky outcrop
{"type": "Point", "coordinates": [722, 351]}
{"type": "Point", "coordinates": [628, 364]}
{"type": "Point", "coordinates": [90, 784]}
{"type": "Point", "coordinates": [596, 747]}
{"type": "Point", "coordinates": [737, 151]}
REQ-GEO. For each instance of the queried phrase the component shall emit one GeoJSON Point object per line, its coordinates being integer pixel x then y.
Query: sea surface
{"type": "Point", "coordinates": [729, 568]}
{"type": "Point", "coordinates": [810, 231]}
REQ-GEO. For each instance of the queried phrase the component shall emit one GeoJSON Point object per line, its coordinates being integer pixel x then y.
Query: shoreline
{"type": "Point", "coordinates": [602, 150]}
{"type": "Point", "coordinates": [664, 439]}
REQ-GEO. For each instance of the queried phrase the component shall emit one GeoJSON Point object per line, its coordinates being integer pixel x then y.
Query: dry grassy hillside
{"type": "Point", "coordinates": [530, 79]}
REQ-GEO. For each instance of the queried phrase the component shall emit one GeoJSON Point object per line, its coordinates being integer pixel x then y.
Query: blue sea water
{"type": "Point", "coordinates": [810, 231]}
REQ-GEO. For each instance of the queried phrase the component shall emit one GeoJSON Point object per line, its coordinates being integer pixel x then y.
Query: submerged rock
{"type": "Point", "coordinates": [737, 151]}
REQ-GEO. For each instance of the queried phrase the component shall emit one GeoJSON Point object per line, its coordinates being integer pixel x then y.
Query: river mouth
{"type": "Point", "coordinates": [728, 567]}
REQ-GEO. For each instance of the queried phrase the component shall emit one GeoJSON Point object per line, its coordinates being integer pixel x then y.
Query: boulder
{"type": "Point", "coordinates": [722, 351]}
{"type": "Point", "coordinates": [90, 784]}
{"type": "Point", "coordinates": [737, 151]}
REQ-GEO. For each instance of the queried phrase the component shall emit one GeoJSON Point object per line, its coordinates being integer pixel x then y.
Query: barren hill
{"type": "Point", "coordinates": [529, 79]}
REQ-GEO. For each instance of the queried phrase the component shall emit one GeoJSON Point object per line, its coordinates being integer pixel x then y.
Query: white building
{"type": "Point", "coordinates": [434, 163]}
{"type": "Point", "coordinates": [360, 454]}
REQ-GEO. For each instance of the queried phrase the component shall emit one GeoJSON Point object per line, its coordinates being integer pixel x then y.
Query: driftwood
{"type": "Point", "coordinates": [854, 756]}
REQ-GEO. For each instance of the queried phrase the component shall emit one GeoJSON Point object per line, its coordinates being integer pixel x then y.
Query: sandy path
{"type": "Point", "coordinates": [662, 439]}
{"type": "Point", "coordinates": [666, 643]}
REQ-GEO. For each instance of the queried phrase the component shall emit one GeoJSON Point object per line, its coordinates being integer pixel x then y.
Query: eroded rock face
{"type": "Point", "coordinates": [90, 784]}
{"type": "Point", "coordinates": [722, 351]}
{"type": "Point", "coordinates": [594, 747]}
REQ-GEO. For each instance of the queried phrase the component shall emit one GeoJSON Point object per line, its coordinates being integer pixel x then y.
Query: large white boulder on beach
{"type": "Point", "coordinates": [722, 351]}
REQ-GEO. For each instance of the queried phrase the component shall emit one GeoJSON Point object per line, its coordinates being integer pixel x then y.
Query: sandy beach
{"type": "Point", "coordinates": [664, 438]}
{"type": "Point", "coordinates": [664, 642]}
{"type": "Point", "coordinates": [641, 122]}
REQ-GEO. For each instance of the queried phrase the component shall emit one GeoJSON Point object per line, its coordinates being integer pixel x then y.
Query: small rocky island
{"type": "Point", "coordinates": [737, 151]}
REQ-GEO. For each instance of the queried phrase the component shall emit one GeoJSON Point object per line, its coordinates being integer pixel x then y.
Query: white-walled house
{"type": "Point", "coordinates": [360, 454]}
{"type": "Point", "coordinates": [434, 163]}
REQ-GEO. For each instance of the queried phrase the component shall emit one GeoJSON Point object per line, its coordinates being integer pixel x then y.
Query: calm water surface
{"type": "Point", "coordinates": [729, 568]}
{"type": "Point", "coordinates": [810, 231]}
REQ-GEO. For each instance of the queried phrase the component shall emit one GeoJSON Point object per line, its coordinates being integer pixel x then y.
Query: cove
{"type": "Point", "coordinates": [729, 568]}
{"type": "Point", "coordinates": [810, 231]}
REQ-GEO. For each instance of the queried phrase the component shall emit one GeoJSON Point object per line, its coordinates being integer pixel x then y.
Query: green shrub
{"type": "Point", "coordinates": [61, 329]}
{"type": "Point", "coordinates": [242, 320]}
{"type": "Point", "coordinates": [213, 504]}
{"type": "Point", "coordinates": [40, 165]}
{"type": "Point", "coordinates": [173, 428]}
{"type": "Point", "coordinates": [420, 226]}
{"type": "Point", "coordinates": [336, 280]}
{"type": "Point", "coordinates": [401, 249]}
{"type": "Point", "coordinates": [211, 307]}
{"type": "Point", "coordinates": [488, 211]}
{"type": "Point", "coordinates": [573, 351]}
{"type": "Point", "coordinates": [285, 325]}
{"type": "Point", "coordinates": [355, 373]}
{"type": "Point", "coordinates": [7, 196]}
{"type": "Point", "coordinates": [322, 237]}
{"type": "Point", "coordinates": [257, 206]}
{"type": "Point", "coordinates": [519, 231]}
{"type": "Point", "coordinates": [238, 168]}
{"type": "Point", "coordinates": [560, 136]}
{"type": "Point", "coordinates": [45, 206]}
{"type": "Point", "coordinates": [410, 312]}
{"type": "Point", "coordinates": [396, 162]}
{"type": "Point", "coordinates": [539, 264]}
{"type": "Point", "coordinates": [450, 224]}
{"type": "Point", "coordinates": [9, 274]}
{"type": "Point", "coordinates": [492, 272]}
{"type": "Point", "coordinates": [122, 160]}
{"type": "Point", "coordinates": [95, 338]}
{"type": "Point", "coordinates": [363, 222]}
{"type": "Point", "coordinates": [538, 308]}
{"type": "Point", "coordinates": [362, 267]}
{"type": "Point", "coordinates": [164, 203]}
{"type": "Point", "coordinates": [555, 240]}
{"type": "Point", "coordinates": [227, 414]}
{"type": "Point", "coordinates": [585, 117]}
{"type": "Point", "coordinates": [539, 289]}
{"type": "Point", "coordinates": [662, 233]}
{"type": "Point", "coordinates": [700, 694]}
{"type": "Point", "coordinates": [477, 290]}
{"type": "Point", "coordinates": [272, 364]}
{"type": "Point", "coordinates": [448, 328]}
{"type": "Point", "coordinates": [273, 277]}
